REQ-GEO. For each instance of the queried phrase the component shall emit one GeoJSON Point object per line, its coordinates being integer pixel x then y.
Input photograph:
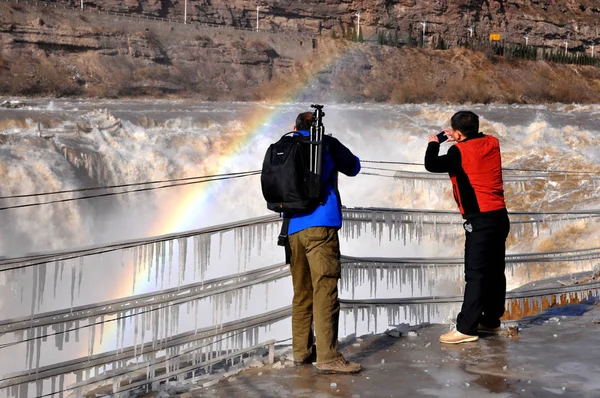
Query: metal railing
{"type": "Point", "coordinates": [191, 23]}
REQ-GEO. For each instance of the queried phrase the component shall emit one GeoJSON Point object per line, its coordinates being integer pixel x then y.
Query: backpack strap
{"type": "Point", "coordinates": [334, 174]}
{"type": "Point", "coordinates": [283, 238]}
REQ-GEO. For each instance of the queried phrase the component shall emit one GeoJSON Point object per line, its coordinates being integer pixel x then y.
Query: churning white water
{"type": "Point", "coordinates": [184, 286]}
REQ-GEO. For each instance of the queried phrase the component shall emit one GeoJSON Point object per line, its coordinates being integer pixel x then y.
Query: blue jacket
{"type": "Point", "coordinates": [336, 157]}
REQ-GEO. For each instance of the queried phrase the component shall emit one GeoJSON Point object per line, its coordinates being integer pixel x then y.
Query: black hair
{"type": "Point", "coordinates": [304, 121]}
{"type": "Point", "coordinates": [466, 122]}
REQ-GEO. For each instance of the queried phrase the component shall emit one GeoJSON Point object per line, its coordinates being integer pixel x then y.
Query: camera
{"type": "Point", "coordinates": [442, 137]}
{"type": "Point", "coordinates": [318, 113]}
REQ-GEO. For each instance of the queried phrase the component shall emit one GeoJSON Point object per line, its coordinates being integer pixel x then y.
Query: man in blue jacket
{"type": "Point", "coordinates": [315, 263]}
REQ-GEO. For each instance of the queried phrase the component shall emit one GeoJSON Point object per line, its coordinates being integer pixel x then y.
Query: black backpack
{"type": "Point", "coordinates": [287, 183]}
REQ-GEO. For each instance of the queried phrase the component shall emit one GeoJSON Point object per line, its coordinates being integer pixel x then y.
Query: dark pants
{"type": "Point", "coordinates": [485, 290]}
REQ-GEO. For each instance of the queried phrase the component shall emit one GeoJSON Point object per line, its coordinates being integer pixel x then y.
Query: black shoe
{"type": "Point", "coordinates": [309, 359]}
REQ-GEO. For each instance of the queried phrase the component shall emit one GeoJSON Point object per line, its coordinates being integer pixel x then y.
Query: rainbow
{"type": "Point", "coordinates": [182, 213]}
{"type": "Point", "coordinates": [188, 208]}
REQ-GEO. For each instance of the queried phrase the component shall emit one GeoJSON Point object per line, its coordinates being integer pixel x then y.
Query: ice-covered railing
{"type": "Point", "coordinates": [150, 310]}
{"type": "Point", "coordinates": [246, 233]}
{"type": "Point", "coordinates": [440, 309]}
{"type": "Point", "coordinates": [156, 258]}
{"type": "Point", "coordinates": [191, 251]}
{"type": "Point", "coordinates": [154, 325]}
{"type": "Point", "coordinates": [145, 303]}
{"type": "Point", "coordinates": [249, 232]}
{"type": "Point", "coordinates": [421, 274]}
{"type": "Point", "coordinates": [508, 176]}
{"type": "Point", "coordinates": [355, 271]}
{"type": "Point", "coordinates": [194, 363]}
{"type": "Point", "coordinates": [157, 314]}
{"type": "Point", "coordinates": [415, 224]}
{"type": "Point", "coordinates": [198, 345]}
{"type": "Point", "coordinates": [519, 182]}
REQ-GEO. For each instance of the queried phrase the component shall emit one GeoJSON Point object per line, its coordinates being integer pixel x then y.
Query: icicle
{"type": "Point", "coordinates": [182, 258]}
{"type": "Point", "coordinates": [61, 385]}
{"type": "Point", "coordinates": [62, 268]}
{"type": "Point", "coordinates": [73, 276]}
{"type": "Point", "coordinates": [76, 331]}
{"type": "Point", "coordinates": [196, 251]}
{"type": "Point", "coordinates": [148, 261]}
{"type": "Point", "coordinates": [59, 336]}
{"type": "Point", "coordinates": [41, 283]}
{"type": "Point", "coordinates": [165, 324]}
{"type": "Point", "coordinates": [156, 247]}
{"type": "Point", "coordinates": [266, 298]}
{"type": "Point", "coordinates": [101, 328]}
{"type": "Point", "coordinates": [23, 390]}
{"type": "Point", "coordinates": [220, 242]}
{"type": "Point", "coordinates": [92, 338]}
{"type": "Point", "coordinates": [80, 266]}
{"type": "Point", "coordinates": [176, 321]}
{"type": "Point", "coordinates": [34, 290]}
{"type": "Point", "coordinates": [123, 331]}
{"type": "Point", "coordinates": [205, 255]}
{"type": "Point", "coordinates": [30, 348]}
{"type": "Point", "coordinates": [151, 261]}
{"type": "Point", "coordinates": [52, 385]}
{"type": "Point", "coordinates": [56, 266]}
{"type": "Point", "coordinates": [196, 305]}
{"type": "Point", "coordinates": [155, 327]}
{"type": "Point", "coordinates": [135, 266]}
{"type": "Point", "coordinates": [118, 334]}
{"type": "Point", "coordinates": [145, 319]}
{"type": "Point", "coordinates": [135, 334]}
{"type": "Point", "coordinates": [170, 258]}
{"type": "Point", "coordinates": [38, 349]}
{"type": "Point", "coordinates": [163, 255]}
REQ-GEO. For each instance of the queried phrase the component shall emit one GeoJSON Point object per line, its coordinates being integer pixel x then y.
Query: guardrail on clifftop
{"type": "Point", "coordinates": [142, 17]}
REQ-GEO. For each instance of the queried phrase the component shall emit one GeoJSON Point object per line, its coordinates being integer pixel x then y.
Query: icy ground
{"type": "Point", "coordinates": [555, 354]}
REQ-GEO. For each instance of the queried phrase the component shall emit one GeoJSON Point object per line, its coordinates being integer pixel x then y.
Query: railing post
{"type": "Point", "coordinates": [271, 353]}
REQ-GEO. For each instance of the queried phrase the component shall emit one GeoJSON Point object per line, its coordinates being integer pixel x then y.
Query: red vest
{"type": "Point", "coordinates": [481, 190]}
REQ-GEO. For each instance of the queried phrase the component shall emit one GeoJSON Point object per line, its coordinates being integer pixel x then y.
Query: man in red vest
{"type": "Point", "coordinates": [475, 168]}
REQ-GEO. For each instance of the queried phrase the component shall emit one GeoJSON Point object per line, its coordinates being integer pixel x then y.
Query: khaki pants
{"type": "Point", "coordinates": [316, 267]}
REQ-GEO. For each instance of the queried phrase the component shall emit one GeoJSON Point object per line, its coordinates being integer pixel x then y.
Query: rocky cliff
{"type": "Point", "coordinates": [56, 51]}
{"type": "Point", "coordinates": [547, 22]}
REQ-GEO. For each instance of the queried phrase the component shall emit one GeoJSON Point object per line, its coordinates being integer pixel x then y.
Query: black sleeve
{"type": "Point", "coordinates": [449, 163]}
{"type": "Point", "coordinates": [345, 161]}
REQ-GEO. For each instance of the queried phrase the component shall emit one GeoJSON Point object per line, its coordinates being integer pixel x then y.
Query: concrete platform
{"type": "Point", "coordinates": [557, 353]}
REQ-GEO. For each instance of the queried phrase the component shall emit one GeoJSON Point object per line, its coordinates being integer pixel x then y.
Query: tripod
{"type": "Point", "coordinates": [317, 131]}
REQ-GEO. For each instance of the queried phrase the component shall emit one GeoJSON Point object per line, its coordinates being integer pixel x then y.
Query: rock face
{"type": "Point", "coordinates": [48, 50]}
{"type": "Point", "coordinates": [73, 53]}
{"type": "Point", "coordinates": [547, 22]}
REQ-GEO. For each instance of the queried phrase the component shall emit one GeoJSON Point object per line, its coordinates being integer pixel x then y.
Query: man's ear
{"type": "Point", "coordinates": [295, 129]}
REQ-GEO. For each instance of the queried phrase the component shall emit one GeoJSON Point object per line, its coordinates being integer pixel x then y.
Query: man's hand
{"type": "Point", "coordinates": [451, 134]}
{"type": "Point", "coordinates": [433, 138]}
